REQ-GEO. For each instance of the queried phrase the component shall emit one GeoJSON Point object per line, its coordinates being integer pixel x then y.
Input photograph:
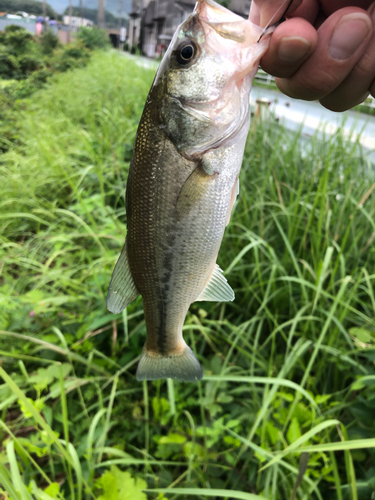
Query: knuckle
{"type": "Point", "coordinates": [364, 69]}
{"type": "Point", "coordinates": [318, 84]}
{"type": "Point", "coordinates": [310, 85]}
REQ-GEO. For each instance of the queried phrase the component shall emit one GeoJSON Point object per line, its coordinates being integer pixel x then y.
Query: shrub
{"type": "Point", "coordinates": [93, 38]}
{"type": "Point", "coordinates": [18, 54]}
{"type": "Point", "coordinates": [28, 64]}
{"type": "Point", "coordinates": [39, 78]}
{"type": "Point", "coordinates": [71, 56]}
{"type": "Point", "coordinates": [17, 40]}
{"type": "Point", "coordinates": [49, 42]}
{"type": "Point", "coordinates": [9, 66]}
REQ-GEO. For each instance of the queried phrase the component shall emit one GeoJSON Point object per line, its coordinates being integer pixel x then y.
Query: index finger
{"type": "Point", "coordinates": [330, 6]}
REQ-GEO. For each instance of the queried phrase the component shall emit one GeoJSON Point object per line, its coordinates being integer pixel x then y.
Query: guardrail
{"type": "Point", "coordinates": [263, 77]}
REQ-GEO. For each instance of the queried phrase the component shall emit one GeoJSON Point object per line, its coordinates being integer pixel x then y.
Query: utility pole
{"type": "Point", "coordinates": [120, 15]}
{"type": "Point", "coordinates": [101, 14]}
{"type": "Point", "coordinates": [44, 9]}
{"type": "Point", "coordinates": [81, 9]}
{"type": "Point", "coordinates": [70, 18]}
{"type": "Point", "coordinates": [121, 38]}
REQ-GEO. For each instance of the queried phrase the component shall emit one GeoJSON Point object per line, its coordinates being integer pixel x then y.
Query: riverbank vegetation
{"type": "Point", "coordinates": [28, 63]}
{"type": "Point", "coordinates": [286, 408]}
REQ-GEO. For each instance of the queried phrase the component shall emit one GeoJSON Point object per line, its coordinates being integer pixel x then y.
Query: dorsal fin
{"type": "Point", "coordinates": [122, 289]}
{"type": "Point", "coordinates": [217, 289]}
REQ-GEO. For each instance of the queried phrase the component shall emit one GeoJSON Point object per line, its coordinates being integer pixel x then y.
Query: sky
{"type": "Point", "coordinates": [112, 6]}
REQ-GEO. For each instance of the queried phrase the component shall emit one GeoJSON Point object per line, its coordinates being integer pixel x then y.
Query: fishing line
{"type": "Point", "coordinates": [264, 32]}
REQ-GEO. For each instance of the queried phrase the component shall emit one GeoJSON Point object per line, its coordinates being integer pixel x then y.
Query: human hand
{"type": "Point", "coordinates": [325, 51]}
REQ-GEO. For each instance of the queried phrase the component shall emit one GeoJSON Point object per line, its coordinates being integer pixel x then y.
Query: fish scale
{"type": "Point", "coordinates": [183, 181]}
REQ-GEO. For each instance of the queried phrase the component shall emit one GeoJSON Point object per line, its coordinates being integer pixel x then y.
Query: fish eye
{"type": "Point", "coordinates": [186, 52]}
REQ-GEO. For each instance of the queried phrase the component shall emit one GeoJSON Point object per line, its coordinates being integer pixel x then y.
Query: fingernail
{"type": "Point", "coordinates": [293, 48]}
{"type": "Point", "coordinates": [348, 35]}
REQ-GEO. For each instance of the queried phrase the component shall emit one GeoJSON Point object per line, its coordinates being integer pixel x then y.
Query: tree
{"type": "Point", "coordinates": [92, 14]}
{"type": "Point", "coordinates": [29, 6]}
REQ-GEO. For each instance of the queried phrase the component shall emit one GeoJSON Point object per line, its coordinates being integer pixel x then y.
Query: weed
{"type": "Point", "coordinates": [289, 365]}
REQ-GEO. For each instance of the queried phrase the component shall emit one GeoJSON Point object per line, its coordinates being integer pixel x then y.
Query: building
{"type": "Point", "coordinates": [77, 22]}
{"type": "Point", "coordinates": [153, 22]}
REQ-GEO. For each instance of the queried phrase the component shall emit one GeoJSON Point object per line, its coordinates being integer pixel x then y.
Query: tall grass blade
{"type": "Point", "coordinates": [207, 492]}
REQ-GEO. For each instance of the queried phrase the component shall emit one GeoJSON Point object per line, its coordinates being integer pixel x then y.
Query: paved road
{"type": "Point", "coordinates": [316, 119]}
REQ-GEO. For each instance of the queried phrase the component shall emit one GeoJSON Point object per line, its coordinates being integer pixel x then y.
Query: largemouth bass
{"type": "Point", "coordinates": [183, 181]}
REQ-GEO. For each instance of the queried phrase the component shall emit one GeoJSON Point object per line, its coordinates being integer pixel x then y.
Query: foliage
{"type": "Point", "coordinates": [28, 64]}
{"type": "Point", "coordinates": [224, 3]}
{"type": "Point", "coordinates": [21, 54]}
{"type": "Point", "coordinates": [366, 108]}
{"type": "Point", "coordinates": [287, 402]}
{"type": "Point", "coordinates": [93, 38]}
{"type": "Point", "coordinates": [9, 66]}
{"type": "Point", "coordinates": [30, 6]}
{"type": "Point", "coordinates": [49, 42]}
{"type": "Point", "coordinates": [17, 57]}
{"type": "Point", "coordinates": [70, 56]}
{"type": "Point", "coordinates": [135, 50]}
{"type": "Point", "coordinates": [17, 39]}
{"type": "Point", "coordinates": [18, 53]}
{"type": "Point", "coordinates": [111, 21]}
{"type": "Point", "coordinates": [118, 485]}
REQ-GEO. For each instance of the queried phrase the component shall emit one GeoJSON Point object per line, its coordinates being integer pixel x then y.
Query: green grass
{"type": "Point", "coordinates": [286, 408]}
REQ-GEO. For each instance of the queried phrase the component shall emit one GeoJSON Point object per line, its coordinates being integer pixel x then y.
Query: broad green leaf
{"type": "Point", "coordinates": [294, 431]}
{"type": "Point", "coordinates": [363, 335]}
{"type": "Point", "coordinates": [35, 414]}
{"type": "Point", "coordinates": [119, 485]}
{"type": "Point", "coordinates": [53, 490]}
{"type": "Point", "coordinates": [195, 449]}
{"type": "Point", "coordinates": [37, 404]}
{"type": "Point", "coordinates": [172, 439]}
{"type": "Point", "coordinates": [50, 493]}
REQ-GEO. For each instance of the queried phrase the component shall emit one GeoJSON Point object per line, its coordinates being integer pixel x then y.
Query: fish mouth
{"type": "Point", "coordinates": [226, 23]}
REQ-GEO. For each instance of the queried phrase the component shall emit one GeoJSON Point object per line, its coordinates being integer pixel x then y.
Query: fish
{"type": "Point", "coordinates": [183, 182]}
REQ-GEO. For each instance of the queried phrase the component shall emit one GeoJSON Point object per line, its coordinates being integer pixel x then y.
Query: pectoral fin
{"type": "Point", "coordinates": [122, 289]}
{"type": "Point", "coordinates": [217, 289]}
{"type": "Point", "coordinates": [194, 189]}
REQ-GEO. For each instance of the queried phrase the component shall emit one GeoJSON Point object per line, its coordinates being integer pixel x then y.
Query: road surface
{"type": "Point", "coordinates": [315, 119]}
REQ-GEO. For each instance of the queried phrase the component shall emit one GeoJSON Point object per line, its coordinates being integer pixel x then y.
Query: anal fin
{"type": "Point", "coordinates": [122, 289]}
{"type": "Point", "coordinates": [217, 289]}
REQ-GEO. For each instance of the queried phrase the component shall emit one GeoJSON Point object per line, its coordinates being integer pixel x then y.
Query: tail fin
{"type": "Point", "coordinates": [184, 367]}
